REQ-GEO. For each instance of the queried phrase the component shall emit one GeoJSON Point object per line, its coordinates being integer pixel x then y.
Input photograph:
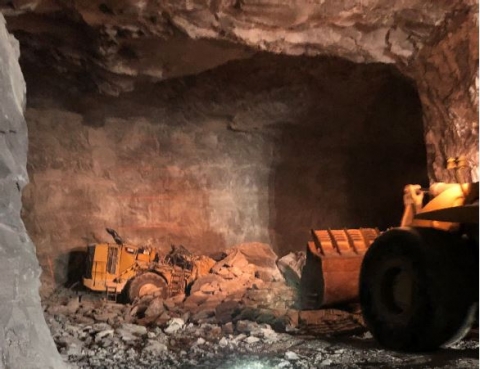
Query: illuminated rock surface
{"type": "Point", "coordinates": [102, 55]}
{"type": "Point", "coordinates": [114, 44]}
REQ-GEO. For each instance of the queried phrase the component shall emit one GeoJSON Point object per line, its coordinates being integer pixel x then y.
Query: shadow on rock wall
{"type": "Point", "coordinates": [387, 153]}
{"type": "Point", "coordinates": [346, 162]}
{"type": "Point", "coordinates": [72, 264]}
{"type": "Point", "coordinates": [64, 268]}
{"type": "Point", "coordinates": [258, 150]}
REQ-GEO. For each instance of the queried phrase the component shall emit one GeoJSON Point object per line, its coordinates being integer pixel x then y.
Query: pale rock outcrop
{"type": "Point", "coordinates": [25, 341]}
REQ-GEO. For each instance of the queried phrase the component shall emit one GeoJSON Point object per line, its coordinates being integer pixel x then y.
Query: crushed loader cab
{"type": "Point", "coordinates": [137, 271]}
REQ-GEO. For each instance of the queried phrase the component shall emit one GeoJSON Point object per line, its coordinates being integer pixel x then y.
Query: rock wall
{"type": "Point", "coordinates": [25, 340]}
{"type": "Point", "coordinates": [114, 45]}
{"type": "Point", "coordinates": [259, 150]}
{"type": "Point", "coordinates": [447, 78]}
{"type": "Point", "coordinates": [110, 45]}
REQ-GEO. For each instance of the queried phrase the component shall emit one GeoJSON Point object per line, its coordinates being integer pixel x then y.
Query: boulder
{"type": "Point", "coordinates": [73, 305]}
{"type": "Point", "coordinates": [174, 325]}
{"type": "Point", "coordinates": [134, 329]}
{"type": "Point", "coordinates": [163, 319]}
{"type": "Point", "coordinates": [155, 348]}
{"type": "Point", "coordinates": [291, 266]}
{"type": "Point", "coordinates": [226, 310]}
{"type": "Point", "coordinates": [196, 298]}
{"type": "Point", "coordinates": [203, 265]}
{"type": "Point", "coordinates": [203, 313]}
{"type": "Point", "coordinates": [263, 257]}
{"type": "Point", "coordinates": [234, 258]}
{"type": "Point", "coordinates": [208, 283]}
{"type": "Point", "coordinates": [130, 332]}
{"type": "Point", "coordinates": [155, 308]}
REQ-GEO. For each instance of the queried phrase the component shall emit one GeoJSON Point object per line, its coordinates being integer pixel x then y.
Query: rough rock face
{"type": "Point", "coordinates": [113, 45]}
{"type": "Point", "coordinates": [119, 42]}
{"type": "Point", "coordinates": [447, 78]}
{"type": "Point", "coordinates": [125, 35]}
{"type": "Point", "coordinates": [258, 150]}
{"type": "Point", "coordinates": [25, 340]}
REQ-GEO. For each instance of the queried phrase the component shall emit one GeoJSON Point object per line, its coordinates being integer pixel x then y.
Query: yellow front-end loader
{"type": "Point", "coordinates": [137, 271]}
{"type": "Point", "coordinates": [418, 283]}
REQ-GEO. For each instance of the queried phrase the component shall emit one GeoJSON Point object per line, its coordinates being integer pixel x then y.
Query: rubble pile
{"type": "Point", "coordinates": [177, 345]}
{"type": "Point", "coordinates": [244, 285]}
{"type": "Point", "coordinates": [242, 314]}
{"type": "Point", "coordinates": [94, 333]}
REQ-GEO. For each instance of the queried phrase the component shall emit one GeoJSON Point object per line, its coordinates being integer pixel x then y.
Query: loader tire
{"type": "Point", "coordinates": [419, 288]}
{"type": "Point", "coordinates": [147, 283]}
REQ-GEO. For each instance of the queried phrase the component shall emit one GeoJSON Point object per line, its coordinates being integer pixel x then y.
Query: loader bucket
{"type": "Point", "coordinates": [332, 268]}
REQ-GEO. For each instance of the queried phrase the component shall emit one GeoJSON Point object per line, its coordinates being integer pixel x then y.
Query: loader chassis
{"type": "Point", "coordinates": [137, 271]}
{"type": "Point", "coordinates": [418, 283]}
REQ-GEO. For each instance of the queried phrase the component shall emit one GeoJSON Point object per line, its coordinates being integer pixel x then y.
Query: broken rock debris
{"type": "Point", "coordinates": [233, 317]}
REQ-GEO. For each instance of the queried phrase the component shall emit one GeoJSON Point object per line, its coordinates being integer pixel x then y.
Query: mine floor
{"type": "Point", "coordinates": [93, 333]}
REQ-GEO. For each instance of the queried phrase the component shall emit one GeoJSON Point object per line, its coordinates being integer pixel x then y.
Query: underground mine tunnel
{"type": "Point", "coordinates": [233, 130]}
{"type": "Point", "coordinates": [256, 150]}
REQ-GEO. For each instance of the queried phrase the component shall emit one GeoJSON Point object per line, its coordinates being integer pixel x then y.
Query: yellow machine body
{"type": "Point", "coordinates": [333, 259]}
{"type": "Point", "coordinates": [445, 197]}
{"type": "Point", "coordinates": [112, 265]}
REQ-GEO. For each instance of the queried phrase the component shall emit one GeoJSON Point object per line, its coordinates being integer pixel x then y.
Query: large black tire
{"type": "Point", "coordinates": [147, 283]}
{"type": "Point", "coordinates": [419, 288]}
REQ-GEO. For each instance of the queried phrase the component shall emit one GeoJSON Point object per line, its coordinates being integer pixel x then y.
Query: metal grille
{"type": "Point", "coordinates": [112, 260]}
{"type": "Point", "coordinates": [88, 267]}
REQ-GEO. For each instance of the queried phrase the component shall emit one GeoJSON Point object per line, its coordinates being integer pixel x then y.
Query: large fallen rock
{"type": "Point", "coordinates": [233, 265]}
{"type": "Point", "coordinates": [291, 266]}
{"type": "Point", "coordinates": [208, 284]}
{"type": "Point", "coordinates": [203, 265]}
{"type": "Point", "coordinates": [263, 258]}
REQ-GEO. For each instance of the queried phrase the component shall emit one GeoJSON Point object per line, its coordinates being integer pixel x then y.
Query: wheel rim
{"type": "Point", "coordinates": [397, 290]}
{"type": "Point", "coordinates": [147, 289]}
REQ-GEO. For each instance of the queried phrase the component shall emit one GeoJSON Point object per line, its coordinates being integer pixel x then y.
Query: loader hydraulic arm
{"type": "Point", "coordinates": [412, 202]}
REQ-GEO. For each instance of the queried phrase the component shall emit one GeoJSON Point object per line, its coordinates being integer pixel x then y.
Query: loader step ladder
{"type": "Point", "coordinates": [177, 283]}
{"type": "Point", "coordinates": [111, 291]}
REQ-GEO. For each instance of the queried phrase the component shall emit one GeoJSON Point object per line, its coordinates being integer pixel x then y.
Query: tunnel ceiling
{"type": "Point", "coordinates": [111, 46]}
{"type": "Point", "coordinates": [119, 42]}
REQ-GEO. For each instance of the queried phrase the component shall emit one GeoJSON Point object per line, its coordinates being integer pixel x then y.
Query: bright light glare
{"type": "Point", "coordinates": [251, 365]}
